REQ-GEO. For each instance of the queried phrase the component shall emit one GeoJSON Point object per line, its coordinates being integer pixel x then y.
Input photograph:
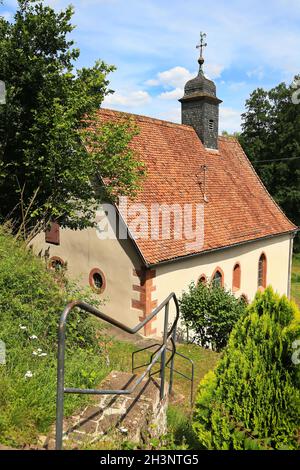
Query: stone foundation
{"type": "Point", "coordinates": [136, 418]}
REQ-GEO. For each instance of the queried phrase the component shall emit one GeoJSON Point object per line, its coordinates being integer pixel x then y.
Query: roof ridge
{"type": "Point", "coordinates": [228, 138]}
{"type": "Point", "coordinates": [143, 118]}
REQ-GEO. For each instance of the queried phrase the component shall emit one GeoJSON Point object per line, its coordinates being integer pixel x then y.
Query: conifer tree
{"type": "Point", "coordinates": [252, 399]}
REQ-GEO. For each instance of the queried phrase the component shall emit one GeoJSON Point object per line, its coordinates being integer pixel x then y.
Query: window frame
{"type": "Point", "coordinates": [96, 289]}
{"type": "Point", "coordinates": [262, 272]}
{"type": "Point", "coordinates": [236, 283]}
{"type": "Point", "coordinates": [218, 269]}
{"type": "Point", "coordinates": [58, 260]}
{"type": "Point", "coordinates": [202, 279]}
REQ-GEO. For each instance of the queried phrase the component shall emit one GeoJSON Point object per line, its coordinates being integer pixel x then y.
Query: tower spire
{"type": "Point", "coordinates": [201, 46]}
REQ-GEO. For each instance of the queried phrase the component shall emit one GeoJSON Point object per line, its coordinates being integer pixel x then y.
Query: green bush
{"type": "Point", "coordinates": [252, 400]}
{"type": "Point", "coordinates": [31, 300]}
{"type": "Point", "coordinates": [210, 312]}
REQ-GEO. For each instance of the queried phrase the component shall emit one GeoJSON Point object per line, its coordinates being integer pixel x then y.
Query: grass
{"type": "Point", "coordinates": [296, 279]}
{"type": "Point", "coordinates": [204, 360]}
{"type": "Point", "coordinates": [31, 299]}
{"type": "Point", "coordinates": [180, 414]}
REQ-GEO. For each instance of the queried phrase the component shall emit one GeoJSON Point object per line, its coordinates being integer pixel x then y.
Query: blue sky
{"type": "Point", "coordinates": [152, 42]}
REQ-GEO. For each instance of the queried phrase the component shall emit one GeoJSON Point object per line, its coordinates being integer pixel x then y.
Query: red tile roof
{"type": "Point", "coordinates": [238, 208]}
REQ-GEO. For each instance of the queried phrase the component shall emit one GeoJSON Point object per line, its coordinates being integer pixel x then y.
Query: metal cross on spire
{"type": "Point", "coordinates": [200, 46]}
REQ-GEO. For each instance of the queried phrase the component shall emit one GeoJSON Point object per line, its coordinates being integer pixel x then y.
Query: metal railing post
{"type": "Point", "coordinates": [164, 353]}
{"type": "Point", "coordinates": [172, 362]}
{"type": "Point", "coordinates": [60, 386]}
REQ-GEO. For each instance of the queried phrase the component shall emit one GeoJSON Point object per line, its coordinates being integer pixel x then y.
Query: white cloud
{"type": "Point", "coordinates": [172, 114]}
{"type": "Point", "coordinates": [172, 95]}
{"type": "Point", "coordinates": [236, 86]}
{"type": "Point", "coordinates": [174, 77]}
{"type": "Point", "coordinates": [131, 100]}
{"type": "Point", "coordinates": [178, 76]}
{"type": "Point", "coordinates": [230, 119]}
{"type": "Point", "coordinates": [213, 71]}
{"type": "Point", "coordinates": [152, 82]}
{"type": "Point", "coordinates": [256, 73]}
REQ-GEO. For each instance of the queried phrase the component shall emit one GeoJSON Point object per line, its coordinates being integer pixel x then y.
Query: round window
{"type": "Point", "coordinates": [97, 280]}
{"type": "Point", "coordinates": [56, 263]}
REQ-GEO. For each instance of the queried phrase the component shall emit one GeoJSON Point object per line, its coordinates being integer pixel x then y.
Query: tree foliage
{"type": "Point", "coordinates": [271, 139]}
{"type": "Point", "coordinates": [252, 399]}
{"type": "Point", "coordinates": [210, 312]}
{"type": "Point", "coordinates": [52, 164]}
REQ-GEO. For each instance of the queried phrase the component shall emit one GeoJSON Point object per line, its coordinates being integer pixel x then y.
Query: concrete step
{"type": "Point", "coordinates": [136, 418]}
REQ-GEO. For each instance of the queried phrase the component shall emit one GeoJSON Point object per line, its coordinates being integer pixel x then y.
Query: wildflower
{"type": "Point", "coordinates": [39, 350]}
{"type": "Point", "coordinates": [23, 327]}
{"type": "Point", "coordinates": [123, 430]}
{"type": "Point", "coordinates": [33, 337]}
{"type": "Point", "coordinates": [28, 374]}
{"type": "Point", "coordinates": [34, 353]}
{"type": "Point", "coordinates": [42, 354]}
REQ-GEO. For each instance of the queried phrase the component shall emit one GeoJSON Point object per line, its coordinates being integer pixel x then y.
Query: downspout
{"type": "Point", "coordinates": [292, 236]}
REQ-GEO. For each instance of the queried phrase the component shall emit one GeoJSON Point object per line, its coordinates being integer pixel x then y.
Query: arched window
{"type": "Point", "coordinates": [202, 279]}
{"type": "Point", "coordinates": [262, 271]}
{"type": "Point", "coordinates": [97, 280]}
{"type": "Point", "coordinates": [56, 263]}
{"type": "Point", "coordinates": [236, 278]}
{"type": "Point", "coordinates": [218, 277]}
{"type": "Point", "coordinates": [244, 298]}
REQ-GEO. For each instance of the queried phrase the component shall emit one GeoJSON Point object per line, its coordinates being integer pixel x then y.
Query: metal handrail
{"type": "Point", "coordinates": [186, 358]}
{"type": "Point", "coordinates": [160, 353]}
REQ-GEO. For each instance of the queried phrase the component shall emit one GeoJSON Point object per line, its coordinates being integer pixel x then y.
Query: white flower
{"type": "Point", "coordinates": [123, 430]}
{"type": "Point", "coordinates": [28, 374]}
{"type": "Point", "coordinates": [42, 354]}
{"type": "Point", "coordinates": [40, 350]}
{"type": "Point", "coordinates": [34, 353]}
{"type": "Point", "coordinates": [33, 337]}
{"type": "Point", "coordinates": [23, 327]}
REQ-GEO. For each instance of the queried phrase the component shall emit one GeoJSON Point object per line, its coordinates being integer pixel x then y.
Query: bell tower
{"type": "Point", "coordinates": [200, 105]}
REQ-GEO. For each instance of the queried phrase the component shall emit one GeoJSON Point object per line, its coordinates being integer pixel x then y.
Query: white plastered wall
{"type": "Point", "coordinates": [84, 251]}
{"type": "Point", "coordinates": [176, 276]}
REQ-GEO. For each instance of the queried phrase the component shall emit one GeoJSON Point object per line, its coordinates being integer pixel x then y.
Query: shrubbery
{"type": "Point", "coordinates": [31, 301]}
{"type": "Point", "coordinates": [32, 296]}
{"type": "Point", "coordinates": [210, 312]}
{"type": "Point", "coordinates": [252, 400]}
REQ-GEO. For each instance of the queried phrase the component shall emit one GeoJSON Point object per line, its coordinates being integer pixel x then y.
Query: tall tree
{"type": "Point", "coordinates": [51, 161]}
{"type": "Point", "coordinates": [271, 138]}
